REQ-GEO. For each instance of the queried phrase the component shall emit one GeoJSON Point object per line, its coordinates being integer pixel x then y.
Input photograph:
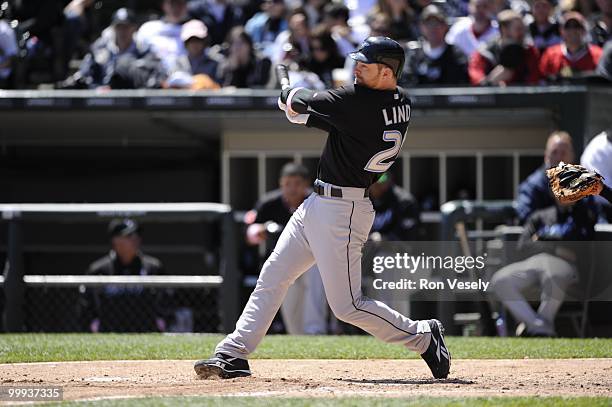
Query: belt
{"type": "Point", "coordinates": [334, 192]}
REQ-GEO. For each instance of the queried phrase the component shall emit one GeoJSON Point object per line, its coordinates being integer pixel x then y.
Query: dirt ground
{"type": "Point", "coordinates": [320, 378]}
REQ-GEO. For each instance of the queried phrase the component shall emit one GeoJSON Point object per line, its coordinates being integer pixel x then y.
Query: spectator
{"type": "Point", "coordinates": [304, 310]}
{"type": "Point", "coordinates": [602, 23]}
{"type": "Point", "coordinates": [431, 60]}
{"type": "Point", "coordinates": [199, 68]}
{"type": "Point", "coordinates": [99, 65]}
{"type": "Point", "coordinates": [8, 52]}
{"type": "Point", "coordinates": [324, 56]}
{"type": "Point", "coordinates": [220, 16]}
{"type": "Point", "coordinates": [359, 10]}
{"type": "Point", "coordinates": [265, 26]}
{"type": "Point", "coordinates": [379, 25]}
{"type": "Point", "coordinates": [534, 193]}
{"type": "Point", "coordinates": [604, 67]}
{"type": "Point", "coordinates": [544, 29]}
{"type": "Point", "coordinates": [520, 6]}
{"type": "Point", "coordinates": [314, 10]}
{"type": "Point", "coordinates": [244, 67]}
{"type": "Point", "coordinates": [39, 37]}
{"type": "Point", "coordinates": [574, 57]}
{"type": "Point", "coordinates": [335, 18]}
{"type": "Point", "coordinates": [299, 75]}
{"type": "Point", "coordinates": [402, 17]}
{"type": "Point", "coordinates": [76, 24]}
{"type": "Point", "coordinates": [598, 156]}
{"type": "Point", "coordinates": [507, 60]}
{"type": "Point", "coordinates": [457, 8]}
{"type": "Point", "coordinates": [295, 37]}
{"type": "Point", "coordinates": [163, 36]}
{"type": "Point", "coordinates": [468, 33]}
{"type": "Point", "coordinates": [125, 309]}
{"type": "Point", "coordinates": [397, 212]}
{"type": "Point", "coordinates": [550, 265]}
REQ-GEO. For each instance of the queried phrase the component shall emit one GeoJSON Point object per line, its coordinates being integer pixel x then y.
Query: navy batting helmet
{"type": "Point", "coordinates": [381, 50]}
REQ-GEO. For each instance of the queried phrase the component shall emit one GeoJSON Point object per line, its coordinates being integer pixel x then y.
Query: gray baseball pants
{"type": "Point", "coordinates": [543, 274]}
{"type": "Point", "coordinates": [330, 232]}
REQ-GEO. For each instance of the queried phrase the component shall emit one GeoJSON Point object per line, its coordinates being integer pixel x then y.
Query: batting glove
{"type": "Point", "coordinates": [296, 117]}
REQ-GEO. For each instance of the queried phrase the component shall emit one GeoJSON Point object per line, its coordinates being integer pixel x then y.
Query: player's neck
{"type": "Point", "coordinates": [383, 85]}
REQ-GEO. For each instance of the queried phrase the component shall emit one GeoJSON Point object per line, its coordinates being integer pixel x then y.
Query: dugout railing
{"type": "Point", "coordinates": [16, 279]}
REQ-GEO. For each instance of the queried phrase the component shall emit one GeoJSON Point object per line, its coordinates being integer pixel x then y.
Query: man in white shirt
{"type": "Point", "coordinates": [468, 33]}
{"type": "Point", "coordinates": [598, 156]}
{"type": "Point", "coordinates": [163, 36]}
{"type": "Point", "coordinates": [8, 49]}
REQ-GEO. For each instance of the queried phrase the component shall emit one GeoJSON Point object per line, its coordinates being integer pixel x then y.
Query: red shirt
{"type": "Point", "coordinates": [556, 61]}
{"type": "Point", "coordinates": [482, 62]}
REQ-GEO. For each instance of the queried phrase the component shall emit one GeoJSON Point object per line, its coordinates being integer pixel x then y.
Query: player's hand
{"type": "Point", "coordinates": [281, 105]}
{"type": "Point", "coordinates": [375, 237]}
{"type": "Point", "coordinates": [256, 234]}
{"type": "Point", "coordinates": [296, 118]}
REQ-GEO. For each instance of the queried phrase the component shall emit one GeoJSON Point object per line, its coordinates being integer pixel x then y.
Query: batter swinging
{"type": "Point", "coordinates": [367, 124]}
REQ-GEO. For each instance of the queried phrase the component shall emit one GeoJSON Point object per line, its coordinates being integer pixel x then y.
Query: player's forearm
{"type": "Point", "coordinates": [297, 99]}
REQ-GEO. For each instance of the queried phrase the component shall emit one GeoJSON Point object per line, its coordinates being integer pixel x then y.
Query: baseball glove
{"type": "Point", "coordinates": [571, 182]}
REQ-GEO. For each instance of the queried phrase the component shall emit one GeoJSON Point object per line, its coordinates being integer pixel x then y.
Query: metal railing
{"type": "Point", "coordinates": [16, 279]}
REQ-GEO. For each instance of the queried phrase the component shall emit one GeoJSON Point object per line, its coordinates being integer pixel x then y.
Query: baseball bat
{"type": "Point", "coordinates": [283, 76]}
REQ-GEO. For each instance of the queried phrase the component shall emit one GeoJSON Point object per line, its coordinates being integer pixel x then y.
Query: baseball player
{"type": "Point", "coordinates": [367, 124]}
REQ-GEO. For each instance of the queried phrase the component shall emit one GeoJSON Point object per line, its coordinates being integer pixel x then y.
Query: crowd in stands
{"type": "Point", "coordinates": [209, 44]}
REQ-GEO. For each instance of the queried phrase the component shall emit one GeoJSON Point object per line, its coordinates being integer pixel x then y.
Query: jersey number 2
{"type": "Point", "coordinates": [377, 162]}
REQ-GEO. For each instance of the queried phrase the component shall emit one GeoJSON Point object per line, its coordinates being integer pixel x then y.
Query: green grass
{"type": "Point", "coordinates": [350, 401]}
{"type": "Point", "coordinates": [63, 347]}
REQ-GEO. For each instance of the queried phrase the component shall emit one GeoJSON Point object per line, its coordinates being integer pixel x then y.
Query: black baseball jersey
{"type": "Point", "coordinates": [272, 207]}
{"type": "Point", "coordinates": [125, 309]}
{"type": "Point", "coordinates": [366, 129]}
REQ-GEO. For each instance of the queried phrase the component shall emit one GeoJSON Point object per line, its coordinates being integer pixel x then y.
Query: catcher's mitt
{"type": "Point", "coordinates": [571, 182]}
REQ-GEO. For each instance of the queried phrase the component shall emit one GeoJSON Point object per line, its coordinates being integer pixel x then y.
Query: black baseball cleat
{"type": "Point", "coordinates": [222, 366]}
{"type": "Point", "coordinates": [437, 356]}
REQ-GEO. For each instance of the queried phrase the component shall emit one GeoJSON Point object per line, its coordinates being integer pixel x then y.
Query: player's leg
{"type": "Point", "coordinates": [292, 308]}
{"type": "Point", "coordinates": [314, 311]}
{"type": "Point", "coordinates": [290, 258]}
{"type": "Point", "coordinates": [337, 230]}
{"type": "Point", "coordinates": [509, 285]}
{"type": "Point", "coordinates": [557, 276]}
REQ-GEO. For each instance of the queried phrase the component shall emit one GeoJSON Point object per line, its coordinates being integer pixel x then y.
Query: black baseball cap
{"type": "Point", "coordinates": [123, 227]}
{"type": "Point", "coordinates": [123, 16]}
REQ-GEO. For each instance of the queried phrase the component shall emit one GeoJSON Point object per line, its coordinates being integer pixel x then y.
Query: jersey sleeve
{"type": "Point", "coordinates": [317, 122]}
{"type": "Point", "coordinates": [327, 105]}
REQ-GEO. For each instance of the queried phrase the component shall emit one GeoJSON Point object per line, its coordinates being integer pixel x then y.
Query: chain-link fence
{"type": "Point", "coordinates": [120, 308]}
{"type": "Point", "coordinates": [186, 279]}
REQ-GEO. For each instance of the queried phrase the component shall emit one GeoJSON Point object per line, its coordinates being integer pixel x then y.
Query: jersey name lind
{"type": "Point", "coordinates": [399, 114]}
